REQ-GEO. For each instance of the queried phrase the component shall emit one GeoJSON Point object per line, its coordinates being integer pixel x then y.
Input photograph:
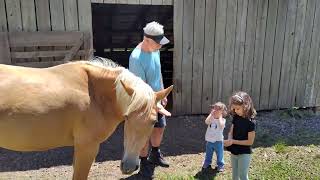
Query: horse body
{"type": "Point", "coordinates": [74, 104]}
{"type": "Point", "coordinates": [45, 109]}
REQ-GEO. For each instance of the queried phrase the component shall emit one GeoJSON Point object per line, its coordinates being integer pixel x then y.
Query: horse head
{"type": "Point", "coordinates": [139, 124]}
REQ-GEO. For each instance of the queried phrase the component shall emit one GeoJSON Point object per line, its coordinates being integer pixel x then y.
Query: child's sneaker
{"type": "Point", "coordinates": [220, 169]}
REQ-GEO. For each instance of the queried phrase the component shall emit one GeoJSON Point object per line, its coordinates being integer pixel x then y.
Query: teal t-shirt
{"type": "Point", "coordinates": [146, 65]}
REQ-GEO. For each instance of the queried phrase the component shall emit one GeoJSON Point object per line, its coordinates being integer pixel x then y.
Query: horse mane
{"type": "Point", "coordinates": [143, 96]}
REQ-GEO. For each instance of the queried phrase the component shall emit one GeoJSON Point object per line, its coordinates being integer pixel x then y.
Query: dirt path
{"type": "Point", "coordinates": [183, 144]}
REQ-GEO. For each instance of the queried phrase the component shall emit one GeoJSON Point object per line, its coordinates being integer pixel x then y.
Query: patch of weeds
{"type": "Point", "coordinates": [282, 170]}
{"type": "Point", "coordinates": [294, 112]}
{"type": "Point", "coordinates": [280, 147]}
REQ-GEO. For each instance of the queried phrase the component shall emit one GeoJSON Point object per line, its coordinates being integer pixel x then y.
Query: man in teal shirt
{"type": "Point", "coordinates": [144, 62]}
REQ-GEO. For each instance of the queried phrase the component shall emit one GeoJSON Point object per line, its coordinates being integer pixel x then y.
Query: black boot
{"type": "Point", "coordinates": [157, 158]}
{"type": "Point", "coordinates": [146, 168]}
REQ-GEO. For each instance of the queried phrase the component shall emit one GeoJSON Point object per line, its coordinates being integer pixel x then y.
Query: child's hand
{"type": "Point", "coordinates": [212, 112]}
{"type": "Point", "coordinates": [227, 142]}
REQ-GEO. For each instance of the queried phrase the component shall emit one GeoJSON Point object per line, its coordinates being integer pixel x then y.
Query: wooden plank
{"type": "Point", "coordinates": [249, 46]}
{"type": "Point", "coordinates": [73, 50]}
{"type": "Point", "coordinates": [71, 15]}
{"type": "Point", "coordinates": [284, 96]}
{"type": "Point", "coordinates": [197, 66]}
{"type": "Point", "coordinates": [133, 2]}
{"type": "Point", "coordinates": [310, 89]}
{"type": "Point", "coordinates": [14, 15]}
{"type": "Point", "coordinates": [219, 50]}
{"type": "Point", "coordinates": [85, 25]}
{"type": "Point", "coordinates": [300, 18]}
{"type": "Point", "coordinates": [3, 17]}
{"type": "Point", "coordinates": [57, 20]}
{"type": "Point", "coordinates": [57, 15]}
{"type": "Point", "coordinates": [268, 52]}
{"type": "Point", "coordinates": [29, 23]}
{"type": "Point", "coordinates": [43, 21]}
{"type": "Point", "coordinates": [229, 50]}
{"type": "Point", "coordinates": [5, 57]}
{"type": "Point", "coordinates": [145, 2]}
{"type": "Point", "coordinates": [242, 9]}
{"type": "Point", "coordinates": [177, 55]}
{"type": "Point", "coordinates": [188, 11]}
{"type": "Point", "coordinates": [44, 64]}
{"type": "Point", "coordinates": [167, 2]}
{"type": "Point", "coordinates": [14, 19]}
{"type": "Point", "coordinates": [28, 15]}
{"type": "Point", "coordinates": [109, 1]}
{"type": "Point", "coordinates": [156, 2]}
{"type": "Point", "coordinates": [277, 54]}
{"type": "Point", "coordinates": [98, 1]}
{"type": "Point", "coordinates": [122, 1]}
{"type": "Point", "coordinates": [210, 25]}
{"type": "Point", "coordinates": [317, 83]}
{"type": "Point", "coordinates": [30, 39]}
{"type": "Point", "coordinates": [258, 51]}
{"type": "Point", "coordinates": [303, 57]}
{"type": "Point", "coordinates": [53, 53]}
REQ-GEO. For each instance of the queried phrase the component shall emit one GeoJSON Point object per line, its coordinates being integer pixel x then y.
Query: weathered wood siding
{"type": "Point", "coordinates": [268, 48]}
{"type": "Point", "coordinates": [44, 16]}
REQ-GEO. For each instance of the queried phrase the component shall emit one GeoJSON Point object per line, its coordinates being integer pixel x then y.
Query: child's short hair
{"type": "Point", "coordinates": [241, 98]}
{"type": "Point", "coordinates": [220, 106]}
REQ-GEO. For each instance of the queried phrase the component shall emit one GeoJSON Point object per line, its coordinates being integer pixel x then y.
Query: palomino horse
{"type": "Point", "coordinates": [76, 104]}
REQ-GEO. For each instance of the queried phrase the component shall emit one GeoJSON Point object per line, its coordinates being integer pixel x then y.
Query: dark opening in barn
{"type": "Point", "coordinates": [117, 30]}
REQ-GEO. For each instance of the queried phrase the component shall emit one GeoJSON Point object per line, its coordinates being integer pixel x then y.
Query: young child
{"type": "Point", "coordinates": [241, 135]}
{"type": "Point", "coordinates": [214, 136]}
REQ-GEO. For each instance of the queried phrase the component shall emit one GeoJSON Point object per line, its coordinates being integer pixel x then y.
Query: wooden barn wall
{"type": "Point", "coordinates": [268, 48]}
{"type": "Point", "coordinates": [142, 2]}
{"type": "Point", "coordinates": [46, 15]}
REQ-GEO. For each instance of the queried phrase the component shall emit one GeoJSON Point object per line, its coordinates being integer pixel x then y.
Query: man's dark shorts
{"type": "Point", "coordinates": [161, 121]}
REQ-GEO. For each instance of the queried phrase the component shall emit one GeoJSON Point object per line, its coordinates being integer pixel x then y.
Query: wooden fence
{"type": "Point", "coordinates": [43, 16]}
{"type": "Point", "coordinates": [15, 46]}
{"type": "Point", "coordinates": [268, 48]}
{"type": "Point", "coordinates": [141, 2]}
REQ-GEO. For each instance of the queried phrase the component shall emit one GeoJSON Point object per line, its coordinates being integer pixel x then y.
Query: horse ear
{"type": "Point", "coordinates": [163, 93]}
{"type": "Point", "coordinates": [127, 88]}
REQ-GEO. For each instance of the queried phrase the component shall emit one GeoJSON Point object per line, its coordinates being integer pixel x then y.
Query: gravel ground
{"type": "Point", "coordinates": [183, 142]}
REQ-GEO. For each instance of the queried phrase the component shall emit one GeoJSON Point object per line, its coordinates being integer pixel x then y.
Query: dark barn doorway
{"type": "Point", "coordinates": [117, 29]}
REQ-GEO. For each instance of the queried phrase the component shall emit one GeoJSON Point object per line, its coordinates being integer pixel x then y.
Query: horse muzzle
{"type": "Point", "coordinates": [128, 168]}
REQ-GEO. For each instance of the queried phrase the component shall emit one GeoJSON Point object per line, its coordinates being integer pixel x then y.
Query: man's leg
{"type": "Point", "coordinates": [156, 137]}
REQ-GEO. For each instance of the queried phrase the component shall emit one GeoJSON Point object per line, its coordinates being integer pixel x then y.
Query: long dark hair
{"type": "Point", "coordinates": [241, 98]}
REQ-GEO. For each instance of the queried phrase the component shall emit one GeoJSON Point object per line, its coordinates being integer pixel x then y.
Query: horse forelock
{"type": "Point", "coordinates": [142, 98]}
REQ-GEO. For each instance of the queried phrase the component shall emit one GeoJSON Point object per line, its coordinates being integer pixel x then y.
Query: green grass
{"type": "Point", "coordinates": [280, 147]}
{"type": "Point", "coordinates": [280, 162]}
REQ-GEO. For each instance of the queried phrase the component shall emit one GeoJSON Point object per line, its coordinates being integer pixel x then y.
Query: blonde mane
{"type": "Point", "coordinates": [143, 96]}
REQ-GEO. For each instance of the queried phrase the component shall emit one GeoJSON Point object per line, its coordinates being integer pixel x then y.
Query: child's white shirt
{"type": "Point", "coordinates": [214, 131]}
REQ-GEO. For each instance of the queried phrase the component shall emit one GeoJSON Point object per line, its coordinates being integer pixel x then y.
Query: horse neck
{"type": "Point", "coordinates": [102, 90]}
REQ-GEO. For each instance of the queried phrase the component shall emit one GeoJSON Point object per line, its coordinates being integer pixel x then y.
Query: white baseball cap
{"type": "Point", "coordinates": [154, 31]}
